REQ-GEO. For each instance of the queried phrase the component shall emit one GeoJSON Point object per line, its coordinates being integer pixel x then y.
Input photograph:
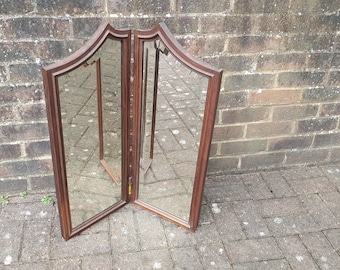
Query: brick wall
{"type": "Point", "coordinates": [279, 105]}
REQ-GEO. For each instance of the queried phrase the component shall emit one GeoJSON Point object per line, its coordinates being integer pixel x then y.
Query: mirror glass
{"type": "Point", "coordinates": [90, 102]}
{"type": "Point", "coordinates": [173, 100]}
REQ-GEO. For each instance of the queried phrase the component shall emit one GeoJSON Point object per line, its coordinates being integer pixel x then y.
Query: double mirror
{"type": "Point", "coordinates": [107, 153]}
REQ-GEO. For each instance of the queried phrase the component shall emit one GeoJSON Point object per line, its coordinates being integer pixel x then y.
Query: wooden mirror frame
{"type": "Point", "coordinates": [50, 78]}
{"type": "Point", "coordinates": [214, 76]}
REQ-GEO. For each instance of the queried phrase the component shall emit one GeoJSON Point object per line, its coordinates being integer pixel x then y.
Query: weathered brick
{"type": "Point", "coordinates": [124, 7]}
{"type": "Point", "coordinates": [35, 149]}
{"type": "Point", "coordinates": [213, 150]}
{"type": "Point", "coordinates": [267, 97]}
{"type": "Point", "coordinates": [201, 6]}
{"type": "Point", "coordinates": [13, 186]}
{"type": "Point", "coordinates": [290, 143]}
{"type": "Point", "coordinates": [70, 7]}
{"type": "Point", "coordinates": [22, 51]}
{"type": "Point", "coordinates": [85, 27]}
{"type": "Point", "coordinates": [7, 114]}
{"type": "Point", "coordinates": [267, 62]}
{"type": "Point", "coordinates": [335, 62]}
{"type": "Point", "coordinates": [330, 109]}
{"type": "Point", "coordinates": [233, 99]}
{"type": "Point", "coordinates": [314, 125]}
{"type": "Point", "coordinates": [182, 25]}
{"type": "Point", "coordinates": [249, 81]}
{"type": "Point", "coordinates": [322, 140]}
{"type": "Point", "coordinates": [222, 164]}
{"type": "Point", "coordinates": [294, 112]}
{"type": "Point", "coordinates": [25, 73]}
{"type": "Point", "coordinates": [222, 133]}
{"type": "Point", "coordinates": [319, 60]}
{"type": "Point", "coordinates": [335, 153]}
{"type": "Point", "coordinates": [306, 156]}
{"type": "Point", "coordinates": [11, 133]}
{"type": "Point", "coordinates": [260, 6]}
{"type": "Point", "coordinates": [3, 74]}
{"type": "Point", "coordinates": [199, 46]}
{"type": "Point", "coordinates": [244, 115]}
{"type": "Point", "coordinates": [25, 27]}
{"type": "Point", "coordinates": [253, 44]}
{"type": "Point", "coordinates": [270, 129]}
{"type": "Point", "coordinates": [264, 160]}
{"type": "Point", "coordinates": [9, 94]}
{"type": "Point", "coordinates": [16, 7]}
{"type": "Point", "coordinates": [32, 112]}
{"type": "Point", "coordinates": [151, 6]}
{"type": "Point", "coordinates": [310, 43]}
{"type": "Point", "coordinates": [334, 78]}
{"type": "Point", "coordinates": [302, 78]}
{"type": "Point", "coordinates": [9, 151]}
{"type": "Point", "coordinates": [54, 50]}
{"type": "Point", "coordinates": [227, 24]}
{"type": "Point", "coordinates": [236, 62]}
{"type": "Point", "coordinates": [41, 182]}
{"type": "Point", "coordinates": [313, 6]}
{"type": "Point", "coordinates": [321, 94]}
{"type": "Point", "coordinates": [25, 167]}
{"type": "Point", "coordinates": [243, 147]}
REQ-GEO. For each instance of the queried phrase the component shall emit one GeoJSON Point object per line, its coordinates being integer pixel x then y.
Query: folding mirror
{"type": "Point", "coordinates": [88, 106]}
{"type": "Point", "coordinates": [175, 99]}
{"type": "Point", "coordinates": [87, 100]}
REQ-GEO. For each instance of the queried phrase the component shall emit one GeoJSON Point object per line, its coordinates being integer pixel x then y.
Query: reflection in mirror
{"type": "Point", "coordinates": [173, 99]}
{"type": "Point", "coordinates": [90, 95]}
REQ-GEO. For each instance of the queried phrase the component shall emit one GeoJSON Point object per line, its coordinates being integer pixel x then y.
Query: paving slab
{"type": "Point", "coordinates": [252, 229]}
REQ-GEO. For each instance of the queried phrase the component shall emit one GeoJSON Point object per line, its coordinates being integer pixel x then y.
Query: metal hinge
{"type": "Point", "coordinates": [129, 191]}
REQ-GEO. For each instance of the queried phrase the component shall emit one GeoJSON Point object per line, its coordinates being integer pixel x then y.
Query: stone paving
{"type": "Point", "coordinates": [287, 219]}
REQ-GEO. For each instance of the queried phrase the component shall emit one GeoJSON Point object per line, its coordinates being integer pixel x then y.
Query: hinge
{"type": "Point", "coordinates": [129, 191]}
{"type": "Point", "coordinates": [130, 185]}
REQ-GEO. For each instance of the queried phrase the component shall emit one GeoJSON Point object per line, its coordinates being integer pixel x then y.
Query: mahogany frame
{"type": "Point", "coordinates": [129, 175]}
{"type": "Point", "coordinates": [214, 82]}
{"type": "Point", "coordinates": [50, 78]}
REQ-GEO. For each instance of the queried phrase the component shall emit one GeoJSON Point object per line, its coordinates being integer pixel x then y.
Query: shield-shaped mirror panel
{"type": "Point", "coordinates": [87, 97]}
{"type": "Point", "coordinates": [175, 99]}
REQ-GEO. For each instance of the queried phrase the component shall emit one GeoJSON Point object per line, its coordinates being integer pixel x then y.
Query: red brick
{"type": "Point", "coordinates": [25, 73]}
{"type": "Point", "coordinates": [294, 112]}
{"type": "Point", "coordinates": [243, 147]}
{"type": "Point", "coordinates": [7, 114]}
{"type": "Point", "coordinates": [9, 151]}
{"type": "Point", "coordinates": [42, 182]}
{"type": "Point", "coordinates": [12, 51]}
{"type": "Point", "coordinates": [327, 140]}
{"type": "Point", "coordinates": [315, 125]}
{"type": "Point", "coordinates": [319, 60]}
{"type": "Point", "coordinates": [70, 7]}
{"type": "Point", "coordinates": [266, 97]}
{"type": "Point", "coordinates": [222, 133]}
{"type": "Point", "coordinates": [20, 94]}
{"type": "Point", "coordinates": [32, 112]}
{"type": "Point", "coordinates": [269, 62]}
{"type": "Point", "coordinates": [10, 7]}
{"type": "Point", "coordinates": [13, 186]}
{"type": "Point", "coordinates": [245, 115]}
{"type": "Point", "coordinates": [25, 27]}
{"type": "Point", "coordinates": [36, 149]}
{"type": "Point", "coordinates": [201, 6]}
{"type": "Point", "coordinates": [199, 46]}
{"type": "Point", "coordinates": [302, 78]}
{"type": "Point", "coordinates": [222, 164]}
{"type": "Point", "coordinates": [330, 109]}
{"type": "Point", "coordinates": [253, 44]}
{"type": "Point", "coordinates": [17, 132]}
{"type": "Point", "coordinates": [27, 167]}
{"type": "Point", "coordinates": [322, 42]}
{"type": "Point", "coordinates": [290, 143]}
{"type": "Point", "coordinates": [236, 63]}
{"type": "Point", "coordinates": [270, 129]}
{"type": "Point", "coordinates": [334, 78]}
{"type": "Point", "coordinates": [307, 156]}
{"type": "Point", "coordinates": [265, 160]}
{"type": "Point", "coordinates": [233, 99]}
{"type": "Point", "coordinates": [321, 94]}
{"type": "Point", "coordinates": [227, 24]}
{"type": "Point", "coordinates": [248, 81]}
